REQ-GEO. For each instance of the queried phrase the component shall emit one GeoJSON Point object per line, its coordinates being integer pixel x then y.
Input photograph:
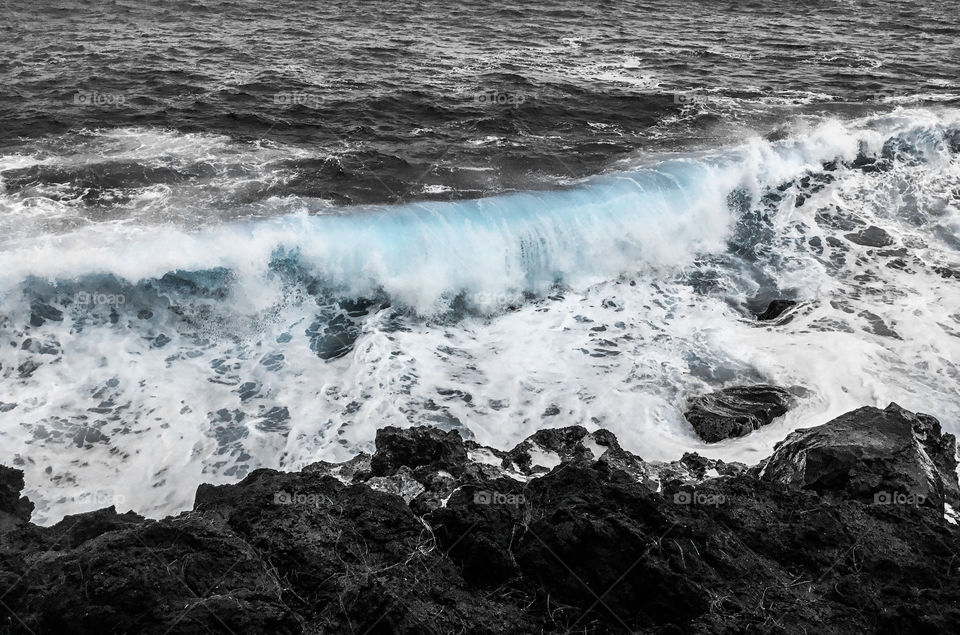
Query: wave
{"type": "Point", "coordinates": [153, 355]}
{"type": "Point", "coordinates": [425, 254]}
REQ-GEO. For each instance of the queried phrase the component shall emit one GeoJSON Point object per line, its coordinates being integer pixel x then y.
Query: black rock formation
{"type": "Point", "coordinates": [14, 509]}
{"type": "Point", "coordinates": [736, 411]}
{"type": "Point", "coordinates": [906, 455]}
{"type": "Point", "coordinates": [872, 236]}
{"type": "Point", "coordinates": [775, 309]}
{"type": "Point", "coordinates": [420, 447]}
{"type": "Point", "coordinates": [568, 532]}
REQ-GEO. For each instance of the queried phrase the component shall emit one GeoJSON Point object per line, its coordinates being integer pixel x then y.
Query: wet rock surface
{"type": "Point", "coordinates": [736, 411]}
{"type": "Point", "coordinates": [419, 447]}
{"type": "Point", "coordinates": [775, 309]}
{"type": "Point", "coordinates": [15, 510]}
{"type": "Point", "coordinates": [870, 454]}
{"type": "Point", "coordinates": [567, 532]}
{"type": "Point", "coordinates": [872, 236]}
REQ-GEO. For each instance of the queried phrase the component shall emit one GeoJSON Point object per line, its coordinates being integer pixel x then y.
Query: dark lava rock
{"type": "Point", "coordinates": [160, 341]}
{"type": "Point", "coordinates": [836, 243]}
{"type": "Point", "coordinates": [877, 326]}
{"type": "Point", "coordinates": [947, 273]}
{"type": "Point", "coordinates": [870, 453]}
{"type": "Point", "coordinates": [893, 253]}
{"type": "Point", "coordinates": [49, 346]}
{"type": "Point", "coordinates": [871, 164]}
{"type": "Point", "coordinates": [422, 446]}
{"type": "Point", "coordinates": [698, 466]}
{"type": "Point", "coordinates": [565, 444]}
{"type": "Point", "coordinates": [775, 309]}
{"type": "Point", "coordinates": [27, 368]}
{"type": "Point", "coordinates": [275, 553]}
{"type": "Point", "coordinates": [736, 411]}
{"type": "Point", "coordinates": [602, 543]}
{"type": "Point", "coordinates": [837, 219]}
{"type": "Point", "coordinates": [332, 338]}
{"type": "Point", "coordinates": [872, 236]}
{"type": "Point", "coordinates": [40, 312]}
{"type": "Point", "coordinates": [14, 509]}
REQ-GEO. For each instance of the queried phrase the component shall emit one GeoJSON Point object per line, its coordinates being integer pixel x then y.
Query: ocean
{"type": "Point", "coordinates": [237, 235]}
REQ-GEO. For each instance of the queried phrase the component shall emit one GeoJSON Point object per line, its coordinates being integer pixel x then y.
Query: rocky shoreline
{"type": "Point", "coordinates": [848, 527]}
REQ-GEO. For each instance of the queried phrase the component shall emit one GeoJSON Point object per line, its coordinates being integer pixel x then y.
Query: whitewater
{"type": "Point", "coordinates": [205, 332]}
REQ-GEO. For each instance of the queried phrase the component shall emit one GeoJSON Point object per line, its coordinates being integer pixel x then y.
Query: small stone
{"type": "Point", "coordinates": [872, 236]}
{"type": "Point", "coordinates": [736, 411]}
{"type": "Point", "coordinates": [775, 309]}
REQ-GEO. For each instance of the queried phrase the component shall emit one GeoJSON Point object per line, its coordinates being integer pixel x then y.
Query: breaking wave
{"type": "Point", "coordinates": [287, 330]}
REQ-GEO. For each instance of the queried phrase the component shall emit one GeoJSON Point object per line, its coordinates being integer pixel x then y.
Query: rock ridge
{"type": "Point", "coordinates": [847, 527]}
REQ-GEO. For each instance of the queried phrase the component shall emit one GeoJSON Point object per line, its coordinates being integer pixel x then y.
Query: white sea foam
{"type": "Point", "coordinates": [628, 334]}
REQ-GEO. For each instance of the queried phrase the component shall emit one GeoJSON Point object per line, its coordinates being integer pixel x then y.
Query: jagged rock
{"type": "Point", "coordinates": [573, 545]}
{"type": "Point", "coordinates": [736, 411]}
{"type": "Point", "coordinates": [698, 465]}
{"type": "Point", "coordinates": [477, 526]}
{"type": "Point", "coordinates": [200, 578]}
{"type": "Point", "coordinates": [14, 509]}
{"type": "Point", "coordinates": [602, 543]}
{"type": "Point", "coordinates": [690, 469]}
{"type": "Point", "coordinates": [348, 554]}
{"type": "Point", "coordinates": [877, 326]}
{"type": "Point", "coordinates": [74, 531]}
{"type": "Point", "coordinates": [482, 455]}
{"type": "Point", "coordinates": [552, 531]}
{"type": "Point", "coordinates": [332, 337]}
{"type": "Point", "coordinates": [701, 467]}
{"type": "Point", "coordinates": [616, 458]}
{"type": "Point", "coordinates": [775, 309]}
{"type": "Point", "coordinates": [485, 463]}
{"type": "Point", "coordinates": [546, 449]}
{"type": "Point", "coordinates": [946, 272]}
{"type": "Point", "coordinates": [871, 453]}
{"type": "Point", "coordinates": [872, 236]}
{"type": "Point", "coordinates": [418, 447]}
{"type": "Point", "coordinates": [734, 468]}
{"type": "Point", "coordinates": [346, 472]}
{"type": "Point", "coordinates": [41, 312]}
{"type": "Point", "coordinates": [401, 483]}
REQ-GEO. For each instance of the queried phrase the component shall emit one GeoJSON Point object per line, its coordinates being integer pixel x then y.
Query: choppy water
{"type": "Point", "coordinates": [235, 235]}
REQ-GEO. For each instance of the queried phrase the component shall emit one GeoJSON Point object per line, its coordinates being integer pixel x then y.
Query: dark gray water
{"type": "Point", "coordinates": [438, 100]}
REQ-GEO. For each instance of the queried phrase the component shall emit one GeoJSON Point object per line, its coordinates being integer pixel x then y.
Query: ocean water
{"type": "Point", "coordinates": [236, 235]}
